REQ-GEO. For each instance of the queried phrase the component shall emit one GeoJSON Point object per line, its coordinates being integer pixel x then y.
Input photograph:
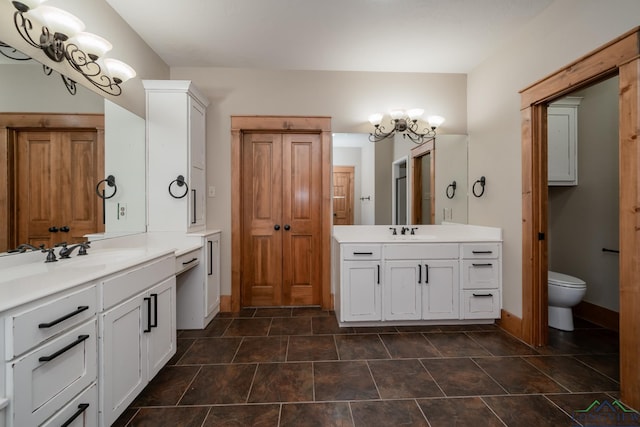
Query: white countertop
{"type": "Point", "coordinates": [423, 234]}
{"type": "Point", "coordinates": [26, 277]}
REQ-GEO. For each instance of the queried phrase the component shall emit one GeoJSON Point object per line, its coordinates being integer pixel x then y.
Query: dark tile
{"type": "Point", "coordinates": [290, 326]}
{"type": "Point", "coordinates": [518, 376]}
{"type": "Point", "coordinates": [468, 328]}
{"type": "Point", "coordinates": [459, 412]}
{"type": "Point", "coordinates": [174, 417]}
{"type": "Point", "coordinates": [316, 415]}
{"type": "Point", "coordinates": [559, 343]}
{"type": "Point", "coordinates": [573, 403]}
{"type": "Point", "coordinates": [328, 325]}
{"type": "Point", "coordinates": [166, 388]}
{"type": "Point", "coordinates": [408, 345]}
{"type": "Point", "coordinates": [343, 381]}
{"type": "Point", "coordinates": [248, 328]}
{"type": "Point", "coordinates": [401, 379]}
{"type": "Point", "coordinates": [595, 341]}
{"type": "Point", "coordinates": [388, 413]}
{"type": "Point", "coordinates": [461, 377]}
{"type": "Point", "coordinates": [310, 311]}
{"type": "Point", "coordinates": [527, 411]}
{"type": "Point", "coordinates": [607, 364]}
{"type": "Point", "coordinates": [243, 415]}
{"type": "Point", "coordinates": [215, 329]}
{"type": "Point", "coordinates": [571, 374]}
{"type": "Point", "coordinates": [210, 350]}
{"type": "Point", "coordinates": [125, 417]}
{"type": "Point", "coordinates": [360, 347]}
{"type": "Point", "coordinates": [456, 344]}
{"type": "Point", "coordinates": [182, 347]}
{"type": "Point", "coordinates": [501, 344]}
{"type": "Point", "coordinates": [273, 312]}
{"type": "Point", "coordinates": [220, 384]}
{"type": "Point", "coordinates": [375, 329]}
{"type": "Point", "coordinates": [244, 312]}
{"type": "Point", "coordinates": [579, 323]}
{"type": "Point", "coordinates": [282, 382]}
{"type": "Point", "coordinates": [262, 349]}
{"type": "Point", "coordinates": [319, 347]}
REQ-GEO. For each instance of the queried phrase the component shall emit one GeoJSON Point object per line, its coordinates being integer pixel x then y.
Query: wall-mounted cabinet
{"type": "Point", "coordinates": [176, 137]}
{"type": "Point", "coordinates": [562, 141]}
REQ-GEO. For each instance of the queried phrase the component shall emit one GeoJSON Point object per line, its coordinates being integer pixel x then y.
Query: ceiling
{"type": "Point", "coordinates": [435, 36]}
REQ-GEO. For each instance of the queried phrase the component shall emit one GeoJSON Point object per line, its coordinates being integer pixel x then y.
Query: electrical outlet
{"type": "Point", "coordinates": [122, 210]}
{"type": "Point", "coordinates": [212, 191]}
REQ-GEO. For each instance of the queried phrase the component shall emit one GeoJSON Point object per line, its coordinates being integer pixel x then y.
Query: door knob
{"type": "Point", "coordinates": [64, 229]}
{"type": "Point", "coordinates": [53, 229]}
{"type": "Point", "coordinates": [276, 227]}
{"type": "Point", "coordinates": [287, 227]}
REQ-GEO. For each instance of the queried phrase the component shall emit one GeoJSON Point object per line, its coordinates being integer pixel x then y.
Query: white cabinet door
{"type": "Point", "coordinates": [440, 289]}
{"type": "Point", "coordinates": [124, 366]}
{"type": "Point", "coordinates": [402, 290]}
{"type": "Point", "coordinates": [212, 288]}
{"type": "Point", "coordinates": [361, 292]}
{"type": "Point", "coordinates": [197, 129]}
{"type": "Point", "coordinates": [161, 340]}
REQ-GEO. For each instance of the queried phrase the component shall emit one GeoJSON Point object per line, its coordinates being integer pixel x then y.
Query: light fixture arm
{"type": "Point", "coordinates": [407, 127]}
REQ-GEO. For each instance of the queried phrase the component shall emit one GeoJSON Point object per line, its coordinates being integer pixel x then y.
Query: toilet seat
{"type": "Point", "coordinates": [565, 281]}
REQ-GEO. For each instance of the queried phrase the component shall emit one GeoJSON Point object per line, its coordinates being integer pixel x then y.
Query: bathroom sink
{"type": "Point", "coordinates": [101, 257]}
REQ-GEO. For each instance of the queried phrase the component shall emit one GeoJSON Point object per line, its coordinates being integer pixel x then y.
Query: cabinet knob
{"type": "Point", "coordinates": [287, 227]}
{"type": "Point", "coordinates": [276, 227]}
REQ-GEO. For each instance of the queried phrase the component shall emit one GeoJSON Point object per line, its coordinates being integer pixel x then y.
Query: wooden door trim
{"type": "Point", "coordinates": [416, 184]}
{"type": "Point", "coordinates": [351, 171]}
{"type": "Point", "coordinates": [281, 124]}
{"type": "Point", "coordinates": [620, 56]}
{"type": "Point", "coordinates": [12, 122]}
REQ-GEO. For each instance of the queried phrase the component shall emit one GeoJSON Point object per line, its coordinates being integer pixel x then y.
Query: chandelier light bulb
{"type": "Point", "coordinates": [396, 114]}
{"type": "Point", "coordinates": [375, 119]}
{"type": "Point", "coordinates": [92, 44]}
{"type": "Point", "coordinates": [435, 121]}
{"type": "Point", "coordinates": [118, 70]}
{"type": "Point", "coordinates": [415, 113]}
{"type": "Point", "coordinates": [57, 20]}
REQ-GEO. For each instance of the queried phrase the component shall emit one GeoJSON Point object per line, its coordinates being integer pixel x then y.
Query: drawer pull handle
{"type": "Point", "coordinates": [81, 408]}
{"type": "Point", "coordinates": [378, 273]}
{"type": "Point", "coordinates": [64, 349]}
{"type": "Point", "coordinates": [426, 274]}
{"type": "Point", "coordinates": [189, 262]}
{"type": "Point", "coordinates": [482, 295]}
{"type": "Point", "coordinates": [363, 253]}
{"type": "Point", "coordinates": [483, 265]}
{"type": "Point", "coordinates": [63, 318]}
{"type": "Point", "coordinates": [155, 311]}
{"type": "Point", "coordinates": [481, 252]}
{"type": "Point", "coordinates": [148, 329]}
{"type": "Point", "coordinates": [419, 273]}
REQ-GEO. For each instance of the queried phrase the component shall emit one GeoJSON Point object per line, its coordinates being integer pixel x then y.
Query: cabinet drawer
{"type": "Point", "coordinates": [363, 252]}
{"type": "Point", "coordinates": [422, 251]}
{"type": "Point", "coordinates": [46, 379]}
{"type": "Point", "coordinates": [80, 412]}
{"type": "Point", "coordinates": [40, 323]}
{"type": "Point", "coordinates": [480, 274]}
{"type": "Point", "coordinates": [189, 260]}
{"type": "Point", "coordinates": [135, 280]}
{"type": "Point", "coordinates": [480, 250]}
{"type": "Point", "coordinates": [481, 304]}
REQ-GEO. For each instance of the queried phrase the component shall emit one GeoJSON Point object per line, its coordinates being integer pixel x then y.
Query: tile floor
{"type": "Point", "coordinates": [296, 367]}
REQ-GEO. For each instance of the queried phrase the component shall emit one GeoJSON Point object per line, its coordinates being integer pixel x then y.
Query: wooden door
{"type": "Point", "coordinates": [343, 195]}
{"type": "Point", "coordinates": [55, 177]}
{"type": "Point", "coordinates": [281, 219]}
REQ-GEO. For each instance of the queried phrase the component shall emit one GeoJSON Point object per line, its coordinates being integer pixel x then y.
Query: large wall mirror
{"type": "Point", "coordinates": [27, 89]}
{"type": "Point", "coordinates": [384, 183]}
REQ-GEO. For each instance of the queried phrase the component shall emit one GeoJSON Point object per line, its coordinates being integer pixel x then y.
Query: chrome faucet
{"type": "Point", "coordinates": [404, 230]}
{"type": "Point", "coordinates": [65, 252]}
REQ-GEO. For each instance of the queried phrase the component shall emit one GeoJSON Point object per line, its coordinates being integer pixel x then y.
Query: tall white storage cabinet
{"type": "Point", "coordinates": [562, 142]}
{"type": "Point", "coordinates": [176, 123]}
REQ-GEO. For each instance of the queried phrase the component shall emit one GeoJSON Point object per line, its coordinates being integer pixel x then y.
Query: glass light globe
{"type": "Point", "coordinates": [396, 114]}
{"type": "Point", "coordinates": [92, 44]}
{"type": "Point", "coordinates": [57, 20]}
{"type": "Point", "coordinates": [118, 70]}
{"type": "Point", "coordinates": [435, 121]}
{"type": "Point", "coordinates": [415, 113]}
{"type": "Point", "coordinates": [375, 119]}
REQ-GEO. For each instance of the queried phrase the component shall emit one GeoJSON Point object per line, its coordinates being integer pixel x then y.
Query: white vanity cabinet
{"type": "Point", "coordinates": [361, 292]}
{"type": "Point", "coordinates": [138, 332]}
{"type": "Point", "coordinates": [198, 284]}
{"type": "Point", "coordinates": [50, 350]}
{"type": "Point", "coordinates": [176, 136]}
{"type": "Point", "coordinates": [421, 282]}
{"type": "Point", "coordinates": [481, 280]}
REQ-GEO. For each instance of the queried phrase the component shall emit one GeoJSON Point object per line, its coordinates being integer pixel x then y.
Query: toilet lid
{"type": "Point", "coordinates": [565, 280]}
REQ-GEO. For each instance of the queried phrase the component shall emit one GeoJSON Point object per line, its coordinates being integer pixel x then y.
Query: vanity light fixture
{"type": "Point", "coordinates": [405, 123]}
{"type": "Point", "coordinates": [60, 35]}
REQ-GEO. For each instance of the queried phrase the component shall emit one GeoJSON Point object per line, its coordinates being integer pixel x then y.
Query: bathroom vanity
{"type": "Point", "coordinates": [440, 274]}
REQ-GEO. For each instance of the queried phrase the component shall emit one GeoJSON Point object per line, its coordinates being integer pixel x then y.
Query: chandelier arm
{"type": "Point", "coordinates": [12, 53]}
{"type": "Point", "coordinates": [24, 26]}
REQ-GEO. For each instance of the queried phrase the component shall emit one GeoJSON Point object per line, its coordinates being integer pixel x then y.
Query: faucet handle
{"type": "Point", "coordinates": [51, 256]}
{"type": "Point", "coordinates": [394, 231]}
{"type": "Point", "coordinates": [413, 230]}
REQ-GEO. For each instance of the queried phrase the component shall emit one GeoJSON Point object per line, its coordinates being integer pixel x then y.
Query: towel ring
{"type": "Point", "coordinates": [451, 186]}
{"type": "Point", "coordinates": [482, 181]}
{"type": "Point", "coordinates": [109, 181]}
{"type": "Point", "coordinates": [179, 181]}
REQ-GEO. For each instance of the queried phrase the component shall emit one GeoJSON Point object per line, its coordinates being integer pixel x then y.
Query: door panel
{"type": "Point", "coordinates": [343, 195]}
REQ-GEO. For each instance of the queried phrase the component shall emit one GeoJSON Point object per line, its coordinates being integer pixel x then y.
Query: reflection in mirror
{"type": "Point", "coordinates": [399, 200]}
{"type": "Point", "coordinates": [26, 89]}
{"type": "Point", "coordinates": [374, 165]}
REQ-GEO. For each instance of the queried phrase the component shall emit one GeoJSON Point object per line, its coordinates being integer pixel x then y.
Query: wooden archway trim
{"type": "Point", "coordinates": [318, 125]}
{"type": "Point", "coordinates": [620, 56]}
{"type": "Point", "coordinates": [14, 121]}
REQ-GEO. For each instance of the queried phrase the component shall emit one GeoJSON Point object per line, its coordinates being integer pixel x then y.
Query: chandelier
{"type": "Point", "coordinates": [405, 123]}
{"type": "Point", "coordinates": [62, 38]}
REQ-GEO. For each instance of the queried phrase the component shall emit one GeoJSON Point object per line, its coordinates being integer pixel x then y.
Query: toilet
{"type": "Point", "coordinates": [564, 292]}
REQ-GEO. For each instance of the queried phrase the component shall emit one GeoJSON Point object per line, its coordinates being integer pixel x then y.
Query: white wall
{"type": "Point", "coordinates": [347, 97]}
{"type": "Point", "coordinates": [564, 32]}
